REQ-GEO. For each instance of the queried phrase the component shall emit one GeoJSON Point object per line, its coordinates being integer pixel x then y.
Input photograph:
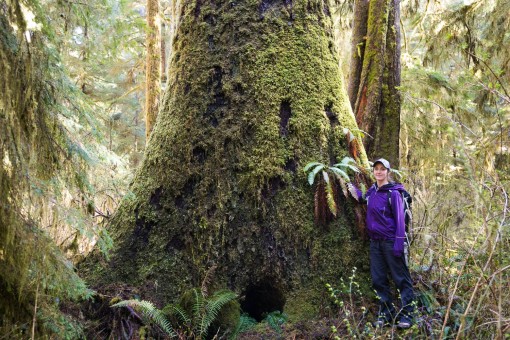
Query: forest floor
{"type": "Point", "coordinates": [427, 326]}
{"type": "Point", "coordinates": [323, 329]}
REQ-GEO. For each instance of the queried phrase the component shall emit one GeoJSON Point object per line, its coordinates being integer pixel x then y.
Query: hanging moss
{"type": "Point", "coordinates": [254, 94]}
{"type": "Point", "coordinates": [34, 275]}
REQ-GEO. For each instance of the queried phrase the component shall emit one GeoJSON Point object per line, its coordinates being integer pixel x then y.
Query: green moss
{"type": "Point", "coordinates": [304, 304]}
{"type": "Point", "coordinates": [228, 318]}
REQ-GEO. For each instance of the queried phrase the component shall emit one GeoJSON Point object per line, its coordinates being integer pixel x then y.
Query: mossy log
{"type": "Point", "coordinates": [254, 94]}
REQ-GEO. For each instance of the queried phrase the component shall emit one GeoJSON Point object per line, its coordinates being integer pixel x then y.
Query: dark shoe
{"type": "Point", "coordinates": [404, 324]}
{"type": "Point", "coordinates": [380, 323]}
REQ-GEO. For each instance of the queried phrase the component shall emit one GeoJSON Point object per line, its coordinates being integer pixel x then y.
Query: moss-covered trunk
{"type": "Point", "coordinates": [375, 76]}
{"type": "Point", "coordinates": [152, 66]}
{"type": "Point", "coordinates": [254, 94]}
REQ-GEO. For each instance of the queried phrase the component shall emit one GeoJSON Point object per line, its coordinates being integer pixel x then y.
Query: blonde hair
{"type": "Point", "coordinates": [390, 176]}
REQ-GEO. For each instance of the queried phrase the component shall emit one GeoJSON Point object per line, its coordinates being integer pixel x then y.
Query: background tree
{"type": "Point", "coordinates": [152, 65]}
{"type": "Point", "coordinates": [374, 76]}
{"type": "Point", "coordinates": [254, 94]}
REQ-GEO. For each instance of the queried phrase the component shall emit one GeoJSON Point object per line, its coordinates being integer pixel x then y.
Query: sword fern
{"type": "Point", "coordinates": [329, 179]}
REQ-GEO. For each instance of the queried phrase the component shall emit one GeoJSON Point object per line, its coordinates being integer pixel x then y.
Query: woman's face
{"type": "Point", "coordinates": [380, 172]}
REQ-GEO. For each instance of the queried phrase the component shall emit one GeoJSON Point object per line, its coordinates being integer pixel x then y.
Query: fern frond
{"type": "Point", "coordinates": [325, 176]}
{"type": "Point", "coordinates": [344, 187]}
{"type": "Point", "coordinates": [398, 173]}
{"type": "Point", "coordinates": [213, 307]}
{"type": "Point", "coordinates": [245, 323]}
{"type": "Point", "coordinates": [347, 160]}
{"type": "Point", "coordinates": [180, 314]}
{"type": "Point", "coordinates": [340, 173]}
{"type": "Point", "coordinates": [275, 320]}
{"type": "Point", "coordinates": [314, 172]}
{"type": "Point", "coordinates": [207, 280]}
{"type": "Point", "coordinates": [198, 305]}
{"type": "Point", "coordinates": [352, 191]}
{"type": "Point", "coordinates": [310, 165]}
{"type": "Point", "coordinates": [330, 196]}
{"type": "Point", "coordinates": [353, 168]}
{"type": "Point", "coordinates": [363, 188]}
{"type": "Point", "coordinates": [361, 133]}
{"type": "Point", "coordinates": [150, 313]}
{"type": "Point", "coordinates": [349, 163]}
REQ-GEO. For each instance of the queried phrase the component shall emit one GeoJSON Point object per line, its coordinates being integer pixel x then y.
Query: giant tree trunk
{"type": "Point", "coordinates": [254, 94]}
{"type": "Point", "coordinates": [375, 76]}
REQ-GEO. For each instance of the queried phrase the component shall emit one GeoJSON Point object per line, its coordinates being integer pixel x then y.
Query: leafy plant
{"type": "Point", "coordinates": [194, 315]}
{"type": "Point", "coordinates": [352, 314]}
{"type": "Point", "coordinates": [329, 178]}
{"type": "Point", "coordinates": [344, 298]}
{"type": "Point", "coordinates": [150, 314]}
{"type": "Point", "coordinates": [275, 320]}
{"type": "Point", "coordinates": [245, 323]}
{"type": "Point", "coordinates": [195, 321]}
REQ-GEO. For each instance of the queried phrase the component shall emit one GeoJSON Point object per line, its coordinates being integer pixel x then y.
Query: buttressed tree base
{"type": "Point", "coordinates": [254, 94]}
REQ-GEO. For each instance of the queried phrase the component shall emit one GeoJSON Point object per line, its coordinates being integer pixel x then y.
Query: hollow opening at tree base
{"type": "Point", "coordinates": [262, 298]}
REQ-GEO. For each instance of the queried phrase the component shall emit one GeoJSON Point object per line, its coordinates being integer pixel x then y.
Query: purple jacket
{"type": "Point", "coordinates": [385, 222]}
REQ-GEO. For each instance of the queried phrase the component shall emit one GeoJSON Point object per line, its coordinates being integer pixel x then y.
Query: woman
{"type": "Point", "coordinates": [386, 229]}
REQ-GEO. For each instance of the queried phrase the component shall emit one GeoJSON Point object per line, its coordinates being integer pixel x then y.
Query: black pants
{"type": "Point", "coordinates": [382, 262]}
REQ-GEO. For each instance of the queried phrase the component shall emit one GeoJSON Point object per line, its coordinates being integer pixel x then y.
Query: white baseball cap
{"type": "Point", "coordinates": [383, 162]}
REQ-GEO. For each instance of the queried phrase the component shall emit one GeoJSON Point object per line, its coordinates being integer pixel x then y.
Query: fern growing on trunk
{"type": "Point", "coordinates": [331, 179]}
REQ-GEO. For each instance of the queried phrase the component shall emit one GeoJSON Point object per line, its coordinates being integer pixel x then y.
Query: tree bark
{"type": "Point", "coordinates": [358, 43]}
{"type": "Point", "coordinates": [152, 70]}
{"type": "Point", "coordinates": [375, 76]}
{"type": "Point", "coordinates": [254, 94]}
{"type": "Point", "coordinates": [162, 49]}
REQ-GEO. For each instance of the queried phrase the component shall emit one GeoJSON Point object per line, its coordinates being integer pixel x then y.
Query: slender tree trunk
{"type": "Point", "coordinates": [358, 43]}
{"type": "Point", "coordinates": [254, 93]}
{"type": "Point", "coordinates": [375, 76]}
{"type": "Point", "coordinates": [153, 70]}
{"type": "Point", "coordinates": [163, 30]}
